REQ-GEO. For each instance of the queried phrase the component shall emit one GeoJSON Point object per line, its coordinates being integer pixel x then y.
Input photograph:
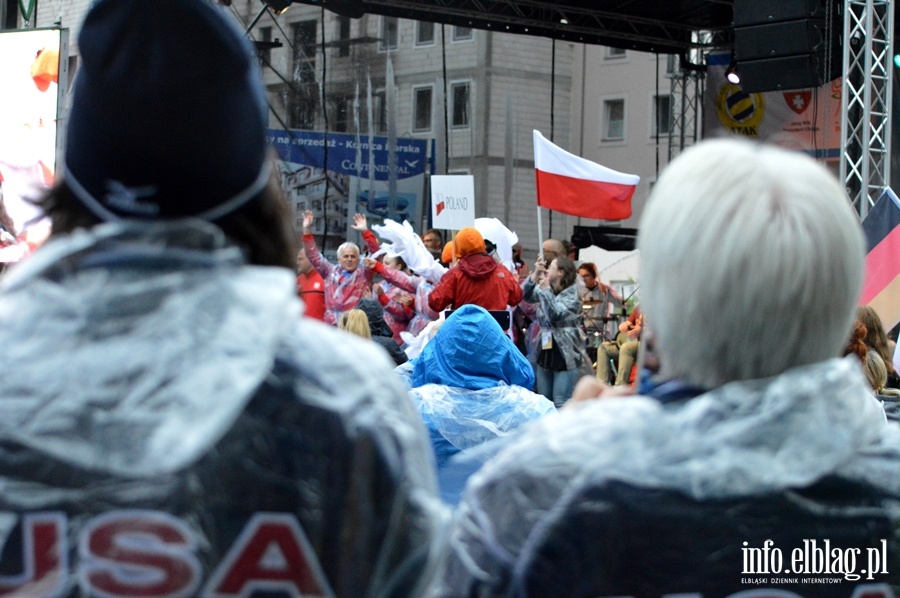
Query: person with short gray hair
{"type": "Point", "coordinates": [752, 429]}
{"type": "Point", "coordinates": [750, 264]}
{"type": "Point", "coordinates": [345, 283]}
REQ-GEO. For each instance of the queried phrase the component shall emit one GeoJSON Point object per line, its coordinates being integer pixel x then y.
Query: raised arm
{"type": "Point", "coordinates": [322, 266]}
{"type": "Point", "coordinates": [559, 307]}
{"type": "Point", "coordinates": [362, 225]}
{"type": "Point", "coordinates": [535, 278]}
{"type": "Point", "coordinates": [399, 279]}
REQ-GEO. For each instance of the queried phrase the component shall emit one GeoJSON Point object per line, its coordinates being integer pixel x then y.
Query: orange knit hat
{"type": "Point", "coordinates": [468, 241]}
{"type": "Point", "coordinates": [447, 253]}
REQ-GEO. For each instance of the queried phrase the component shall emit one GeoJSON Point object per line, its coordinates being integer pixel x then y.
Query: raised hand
{"type": "Point", "coordinates": [308, 219]}
{"type": "Point", "coordinates": [359, 222]}
{"type": "Point", "coordinates": [539, 270]}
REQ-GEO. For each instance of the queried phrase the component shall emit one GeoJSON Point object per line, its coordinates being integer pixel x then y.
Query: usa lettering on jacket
{"type": "Point", "coordinates": [151, 553]}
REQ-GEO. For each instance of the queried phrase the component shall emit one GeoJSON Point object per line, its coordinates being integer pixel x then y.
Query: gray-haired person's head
{"type": "Point", "coordinates": [751, 263]}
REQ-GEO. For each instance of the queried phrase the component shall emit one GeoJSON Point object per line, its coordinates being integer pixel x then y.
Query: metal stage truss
{"type": "Point", "coordinates": [866, 100]}
{"type": "Point", "coordinates": [686, 28]}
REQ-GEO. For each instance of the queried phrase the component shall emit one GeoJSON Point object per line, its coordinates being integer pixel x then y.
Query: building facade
{"type": "Point", "coordinates": [477, 94]}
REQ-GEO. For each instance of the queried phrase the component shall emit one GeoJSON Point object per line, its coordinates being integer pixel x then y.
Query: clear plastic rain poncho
{"type": "Point", "coordinates": [560, 314]}
{"type": "Point", "coordinates": [403, 241]}
{"type": "Point", "coordinates": [162, 397]}
{"type": "Point", "coordinates": [419, 285]}
{"type": "Point", "coordinates": [343, 290]}
{"type": "Point", "coordinates": [815, 424]}
{"type": "Point", "coordinates": [471, 384]}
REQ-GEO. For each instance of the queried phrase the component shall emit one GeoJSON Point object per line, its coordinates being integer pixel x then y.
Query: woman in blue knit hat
{"type": "Point", "coordinates": [171, 425]}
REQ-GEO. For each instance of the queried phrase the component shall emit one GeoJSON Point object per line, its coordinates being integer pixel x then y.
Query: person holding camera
{"type": "Point", "coordinates": [559, 352]}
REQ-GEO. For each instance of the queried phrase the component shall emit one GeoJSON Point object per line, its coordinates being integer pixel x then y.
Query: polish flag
{"type": "Point", "coordinates": [572, 185]}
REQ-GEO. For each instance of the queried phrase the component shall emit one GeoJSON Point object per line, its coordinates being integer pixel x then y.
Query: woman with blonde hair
{"type": "Point", "coordinates": [355, 322]}
{"type": "Point", "coordinates": [876, 339]}
{"type": "Point", "coordinates": [876, 372]}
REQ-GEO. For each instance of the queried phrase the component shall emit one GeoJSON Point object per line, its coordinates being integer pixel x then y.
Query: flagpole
{"type": "Point", "coordinates": [540, 234]}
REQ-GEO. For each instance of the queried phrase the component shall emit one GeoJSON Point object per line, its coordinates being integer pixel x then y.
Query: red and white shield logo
{"type": "Point", "coordinates": [798, 101]}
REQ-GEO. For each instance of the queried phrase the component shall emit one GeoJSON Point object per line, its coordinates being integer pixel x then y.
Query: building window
{"type": "Point", "coordinates": [304, 38]}
{"type": "Point", "coordinates": [343, 114]}
{"type": "Point", "coordinates": [264, 50]}
{"type": "Point", "coordinates": [424, 33]}
{"type": "Point", "coordinates": [389, 33]}
{"type": "Point", "coordinates": [613, 120]}
{"type": "Point", "coordinates": [462, 33]}
{"type": "Point", "coordinates": [343, 32]}
{"type": "Point", "coordinates": [303, 95]}
{"type": "Point", "coordinates": [303, 105]}
{"type": "Point", "coordinates": [672, 64]}
{"type": "Point", "coordinates": [422, 97]}
{"type": "Point", "coordinates": [379, 111]}
{"type": "Point", "coordinates": [613, 53]}
{"type": "Point", "coordinates": [663, 115]}
{"type": "Point", "coordinates": [459, 98]}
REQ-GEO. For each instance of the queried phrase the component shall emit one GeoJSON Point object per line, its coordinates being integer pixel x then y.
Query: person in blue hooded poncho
{"type": "Point", "coordinates": [472, 385]}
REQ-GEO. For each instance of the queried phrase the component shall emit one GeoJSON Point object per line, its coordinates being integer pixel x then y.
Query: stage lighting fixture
{"type": "Point", "coordinates": [278, 7]}
{"type": "Point", "coordinates": [731, 73]}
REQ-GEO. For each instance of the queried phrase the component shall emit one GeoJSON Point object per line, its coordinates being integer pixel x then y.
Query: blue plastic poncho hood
{"type": "Point", "coordinates": [471, 351]}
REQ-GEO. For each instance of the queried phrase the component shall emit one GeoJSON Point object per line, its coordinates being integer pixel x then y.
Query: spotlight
{"type": "Point", "coordinates": [731, 73]}
{"type": "Point", "coordinates": [278, 7]}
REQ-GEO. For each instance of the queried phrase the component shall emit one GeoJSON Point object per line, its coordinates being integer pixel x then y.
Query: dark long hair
{"type": "Point", "coordinates": [569, 273]}
{"type": "Point", "coordinates": [261, 227]}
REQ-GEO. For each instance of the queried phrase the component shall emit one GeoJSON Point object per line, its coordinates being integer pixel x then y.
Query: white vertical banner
{"type": "Point", "coordinates": [452, 201]}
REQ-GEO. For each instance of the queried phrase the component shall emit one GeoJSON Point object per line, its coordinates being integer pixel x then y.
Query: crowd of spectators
{"type": "Point", "coordinates": [196, 406]}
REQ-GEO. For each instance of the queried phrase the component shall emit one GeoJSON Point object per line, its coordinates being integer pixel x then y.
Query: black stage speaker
{"type": "Point", "coordinates": [787, 44]}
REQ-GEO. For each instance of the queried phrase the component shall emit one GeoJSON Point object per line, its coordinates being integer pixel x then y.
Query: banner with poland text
{"type": "Point", "coordinates": [573, 185]}
{"type": "Point", "coordinates": [452, 201]}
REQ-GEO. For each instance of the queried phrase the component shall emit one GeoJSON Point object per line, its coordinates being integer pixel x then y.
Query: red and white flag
{"type": "Point", "coordinates": [572, 185]}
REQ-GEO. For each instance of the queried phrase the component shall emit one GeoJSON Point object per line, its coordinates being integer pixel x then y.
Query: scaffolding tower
{"type": "Point", "coordinates": [687, 96]}
{"type": "Point", "coordinates": [865, 168]}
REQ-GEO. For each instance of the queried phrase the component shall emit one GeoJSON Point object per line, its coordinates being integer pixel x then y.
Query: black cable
{"type": "Point", "coordinates": [446, 115]}
{"type": "Point", "coordinates": [292, 89]}
{"type": "Point", "coordinates": [325, 140]}
{"type": "Point", "coordinates": [287, 82]}
{"type": "Point", "coordinates": [656, 115]}
{"type": "Point", "coordinates": [815, 124]}
{"type": "Point", "coordinates": [552, 111]}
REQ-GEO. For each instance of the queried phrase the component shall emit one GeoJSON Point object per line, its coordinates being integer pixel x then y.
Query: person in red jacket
{"type": "Point", "coordinates": [310, 287]}
{"type": "Point", "coordinates": [477, 278]}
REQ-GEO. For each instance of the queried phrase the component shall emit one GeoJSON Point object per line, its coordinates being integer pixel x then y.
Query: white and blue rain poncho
{"type": "Point", "coordinates": [472, 385]}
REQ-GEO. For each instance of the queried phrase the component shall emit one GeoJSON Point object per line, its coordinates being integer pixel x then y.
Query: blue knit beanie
{"type": "Point", "coordinates": [168, 116]}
